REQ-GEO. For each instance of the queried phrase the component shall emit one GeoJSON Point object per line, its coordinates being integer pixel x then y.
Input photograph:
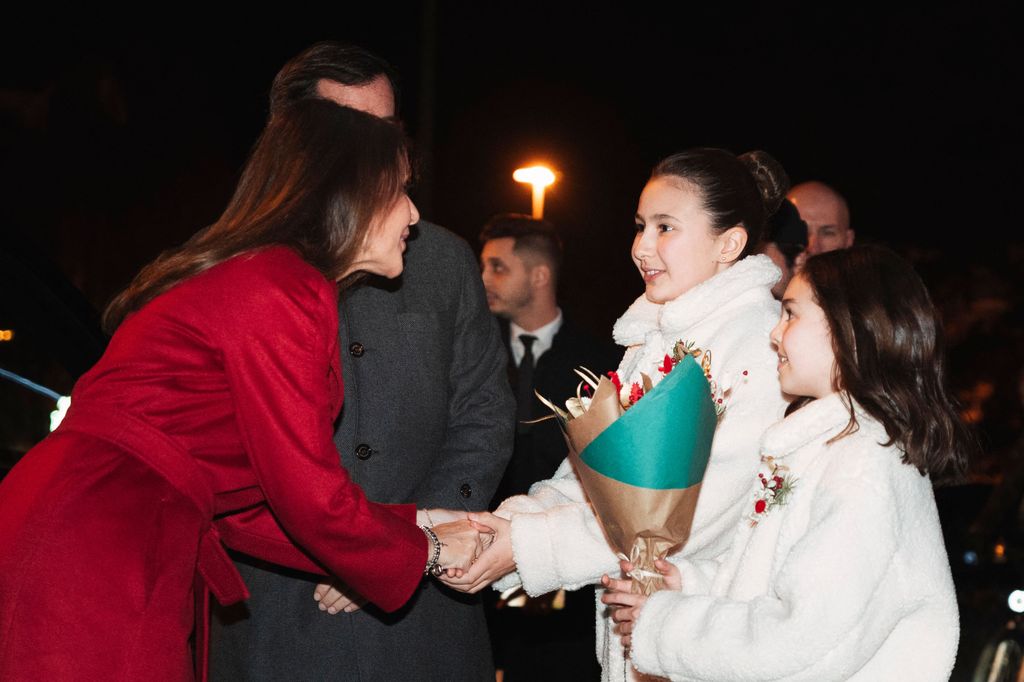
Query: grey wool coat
{"type": "Point", "coordinates": [428, 418]}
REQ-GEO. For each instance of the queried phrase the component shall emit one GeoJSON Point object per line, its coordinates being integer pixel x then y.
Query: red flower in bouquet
{"type": "Point", "coordinates": [679, 351]}
{"type": "Point", "coordinates": [667, 365]}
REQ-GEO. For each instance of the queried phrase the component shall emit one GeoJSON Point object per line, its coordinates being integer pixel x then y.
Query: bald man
{"type": "Point", "coordinates": [826, 214]}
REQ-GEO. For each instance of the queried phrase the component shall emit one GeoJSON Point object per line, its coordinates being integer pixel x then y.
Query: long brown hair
{"type": "Point", "coordinates": [315, 181]}
{"type": "Point", "coordinates": [889, 349]}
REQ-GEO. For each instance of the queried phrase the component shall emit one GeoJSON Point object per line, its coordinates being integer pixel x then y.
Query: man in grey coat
{"type": "Point", "coordinates": [428, 419]}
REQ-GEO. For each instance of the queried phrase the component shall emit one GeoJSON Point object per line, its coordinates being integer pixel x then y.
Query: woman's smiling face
{"type": "Point", "coordinates": [675, 248]}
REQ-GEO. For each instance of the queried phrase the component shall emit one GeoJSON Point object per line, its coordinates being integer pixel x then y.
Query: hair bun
{"type": "Point", "coordinates": [770, 177]}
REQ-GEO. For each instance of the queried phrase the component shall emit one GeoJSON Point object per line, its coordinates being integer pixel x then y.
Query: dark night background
{"type": "Point", "coordinates": [122, 135]}
{"type": "Point", "coordinates": [118, 142]}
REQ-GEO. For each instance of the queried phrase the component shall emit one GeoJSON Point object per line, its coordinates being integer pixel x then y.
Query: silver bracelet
{"type": "Point", "coordinates": [432, 565]}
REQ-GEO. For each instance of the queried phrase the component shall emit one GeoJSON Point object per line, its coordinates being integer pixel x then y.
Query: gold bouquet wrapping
{"type": "Point", "coordinates": [642, 468]}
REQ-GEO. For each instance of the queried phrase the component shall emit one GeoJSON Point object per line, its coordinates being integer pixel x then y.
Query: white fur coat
{"type": "Point", "coordinates": [556, 540]}
{"type": "Point", "coordinates": [848, 581]}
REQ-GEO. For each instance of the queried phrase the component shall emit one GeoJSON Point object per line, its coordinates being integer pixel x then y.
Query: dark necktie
{"type": "Point", "coordinates": [524, 394]}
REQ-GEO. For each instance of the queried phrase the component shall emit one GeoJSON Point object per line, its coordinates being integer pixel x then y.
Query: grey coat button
{"type": "Point", "coordinates": [466, 490]}
{"type": "Point", "coordinates": [356, 350]}
{"type": "Point", "coordinates": [364, 451]}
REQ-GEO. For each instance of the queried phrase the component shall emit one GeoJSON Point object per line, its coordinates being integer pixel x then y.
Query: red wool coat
{"type": "Point", "coordinates": [215, 399]}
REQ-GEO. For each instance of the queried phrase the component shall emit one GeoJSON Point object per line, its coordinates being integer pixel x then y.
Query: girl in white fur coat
{"type": "Point", "coordinates": [698, 218]}
{"type": "Point", "coordinates": [838, 570]}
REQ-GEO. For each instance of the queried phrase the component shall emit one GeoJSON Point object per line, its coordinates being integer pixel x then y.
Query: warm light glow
{"type": "Point", "coordinates": [538, 176]}
{"type": "Point", "coordinates": [6, 334]}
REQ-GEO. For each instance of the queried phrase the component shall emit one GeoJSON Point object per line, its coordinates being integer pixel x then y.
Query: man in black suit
{"type": "Point", "coordinates": [520, 265]}
{"type": "Point", "coordinates": [427, 419]}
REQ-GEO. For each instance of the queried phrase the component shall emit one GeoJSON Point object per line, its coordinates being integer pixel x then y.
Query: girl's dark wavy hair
{"type": "Point", "coordinates": [889, 349]}
{"type": "Point", "coordinates": [316, 180]}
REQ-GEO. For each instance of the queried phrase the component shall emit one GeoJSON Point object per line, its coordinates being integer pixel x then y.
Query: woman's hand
{"type": "Point", "coordinates": [461, 543]}
{"type": "Point", "coordinates": [626, 606]}
{"type": "Point", "coordinates": [428, 517]}
{"type": "Point", "coordinates": [335, 596]}
{"type": "Point", "coordinates": [495, 562]}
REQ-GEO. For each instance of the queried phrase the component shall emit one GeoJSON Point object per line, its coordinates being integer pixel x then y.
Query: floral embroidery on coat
{"type": "Point", "coordinates": [772, 489]}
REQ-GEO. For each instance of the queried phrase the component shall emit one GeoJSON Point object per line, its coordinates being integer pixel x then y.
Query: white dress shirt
{"type": "Point", "coordinates": [545, 336]}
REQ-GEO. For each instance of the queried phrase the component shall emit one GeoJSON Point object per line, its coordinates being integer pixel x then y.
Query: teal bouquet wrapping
{"type": "Point", "coordinates": [641, 461]}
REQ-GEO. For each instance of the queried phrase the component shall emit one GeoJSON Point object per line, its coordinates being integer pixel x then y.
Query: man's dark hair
{"type": "Point", "coordinates": [533, 239]}
{"type": "Point", "coordinates": [340, 62]}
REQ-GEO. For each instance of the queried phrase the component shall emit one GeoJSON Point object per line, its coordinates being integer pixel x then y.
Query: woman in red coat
{"type": "Point", "coordinates": [209, 419]}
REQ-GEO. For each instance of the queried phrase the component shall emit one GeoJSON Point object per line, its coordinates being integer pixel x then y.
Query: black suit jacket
{"type": "Point", "coordinates": [428, 418]}
{"type": "Point", "coordinates": [540, 448]}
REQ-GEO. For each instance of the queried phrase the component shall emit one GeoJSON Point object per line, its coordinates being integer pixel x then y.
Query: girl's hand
{"type": "Point", "coordinates": [496, 561]}
{"type": "Point", "coordinates": [669, 573]}
{"type": "Point", "coordinates": [625, 605]}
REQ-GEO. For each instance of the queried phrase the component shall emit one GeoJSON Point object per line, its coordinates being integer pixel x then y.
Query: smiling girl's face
{"type": "Point", "coordinates": [675, 248]}
{"type": "Point", "coordinates": [804, 343]}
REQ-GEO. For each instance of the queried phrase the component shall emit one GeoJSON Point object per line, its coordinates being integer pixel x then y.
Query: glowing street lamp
{"type": "Point", "coordinates": [539, 177]}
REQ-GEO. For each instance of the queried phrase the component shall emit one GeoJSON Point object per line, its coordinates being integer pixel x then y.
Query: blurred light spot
{"type": "Point", "coordinates": [535, 175]}
{"type": "Point", "coordinates": [57, 416]}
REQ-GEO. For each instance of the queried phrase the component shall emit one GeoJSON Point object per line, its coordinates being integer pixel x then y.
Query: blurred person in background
{"type": "Point", "coordinates": [551, 636]}
{"type": "Point", "coordinates": [786, 243]}
{"type": "Point", "coordinates": [827, 216]}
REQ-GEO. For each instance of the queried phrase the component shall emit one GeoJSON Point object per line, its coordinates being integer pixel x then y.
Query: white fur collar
{"type": "Point", "coordinates": [825, 416]}
{"type": "Point", "coordinates": [751, 273]}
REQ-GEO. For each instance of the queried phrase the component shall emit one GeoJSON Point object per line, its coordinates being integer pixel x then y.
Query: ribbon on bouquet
{"type": "Point", "coordinates": [638, 574]}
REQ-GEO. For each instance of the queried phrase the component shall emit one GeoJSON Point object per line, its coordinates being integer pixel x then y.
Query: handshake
{"type": "Point", "coordinates": [476, 550]}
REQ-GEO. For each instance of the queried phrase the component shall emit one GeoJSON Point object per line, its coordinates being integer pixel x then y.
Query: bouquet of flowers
{"type": "Point", "coordinates": [640, 453]}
